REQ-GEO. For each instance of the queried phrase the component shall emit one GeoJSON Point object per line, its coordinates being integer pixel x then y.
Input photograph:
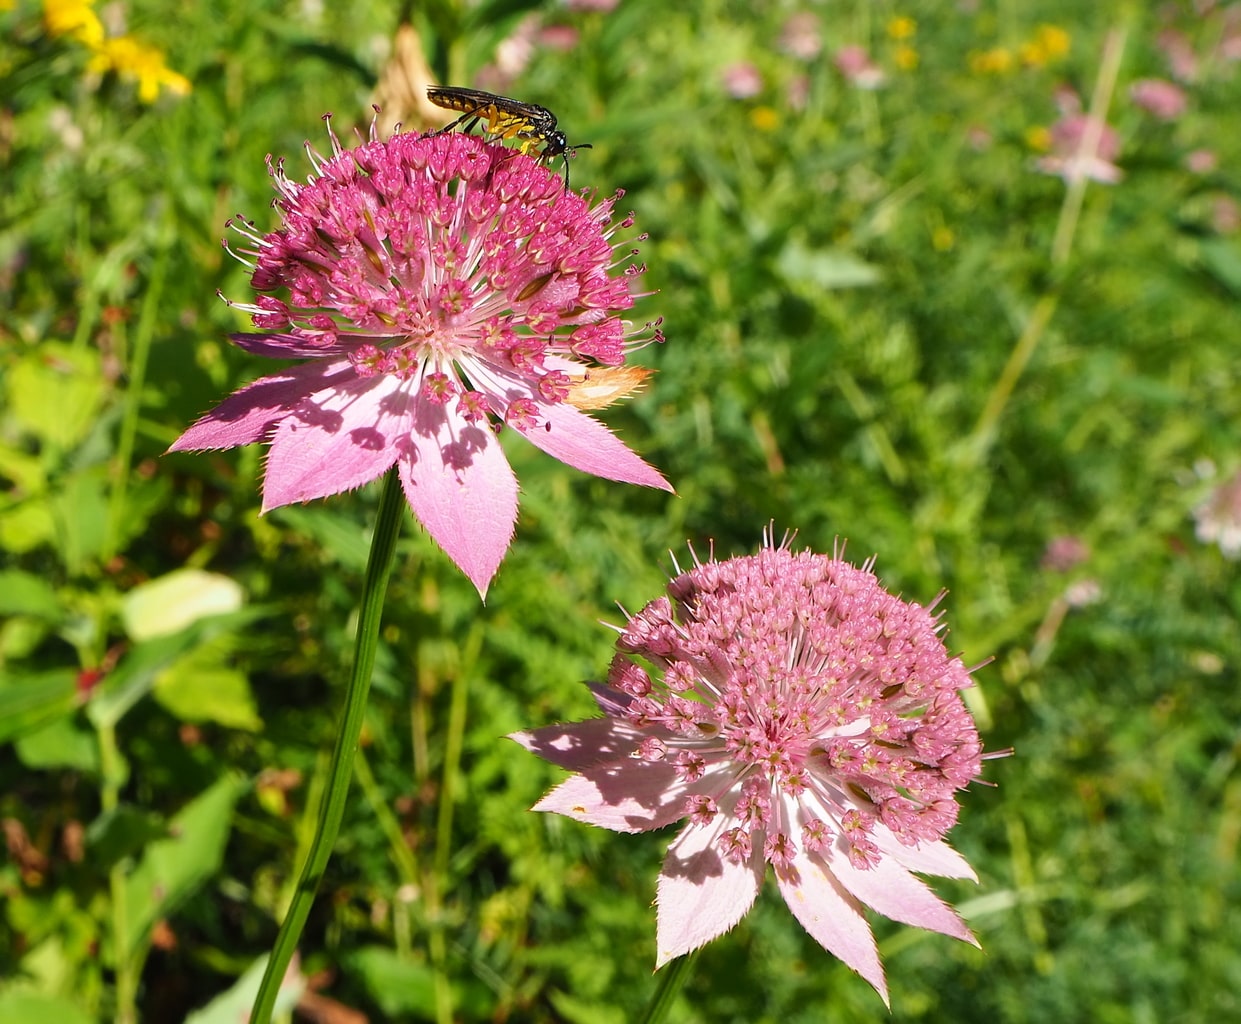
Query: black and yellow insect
{"type": "Point", "coordinates": [506, 118]}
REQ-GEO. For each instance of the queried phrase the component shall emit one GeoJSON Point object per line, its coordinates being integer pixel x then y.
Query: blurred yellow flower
{"type": "Point", "coordinates": [1049, 43]}
{"type": "Point", "coordinates": [901, 28]}
{"type": "Point", "coordinates": [1038, 138]}
{"type": "Point", "coordinates": [765, 119]}
{"type": "Point", "coordinates": [1053, 39]}
{"type": "Point", "coordinates": [132, 59]}
{"type": "Point", "coordinates": [995, 61]}
{"type": "Point", "coordinates": [905, 58]}
{"type": "Point", "coordinates": [943, 238]}
{"type": "Point", "coordinates": [75, 18]}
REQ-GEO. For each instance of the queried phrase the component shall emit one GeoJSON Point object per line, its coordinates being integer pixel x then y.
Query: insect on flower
{"type": "Point", "coordinates": [506, 119]}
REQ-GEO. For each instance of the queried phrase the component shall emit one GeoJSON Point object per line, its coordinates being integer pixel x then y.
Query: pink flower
{"type": "Point", "coordinates": [742, 80]}
{"type": "Point", "coordinates": [1180, 55]}
{"type": "Point", "coordinates": [1083, 146]}
{"type": "Point", "coordinates": [800, 37]}
{"type": "Point", "coordinates": [798, 715]}
{"type": "Point", "coordinates": [1159, 98]}
{"type": "Point", "coordinates": [858, 69]}
{"type": "Point", "coordinates": [1218, 518]}
{"type": "Point", "coordinates": [1201, 161]}
{"type": "Point", "coordinates": [432, 284]}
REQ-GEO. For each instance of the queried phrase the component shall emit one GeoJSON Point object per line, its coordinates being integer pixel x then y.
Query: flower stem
{"type": "Point", "coordinates": [1062, 244]}
{"type": "Point", "coordinates": [133, 397]}
{"type": "Point", "coordinates": [113, 771]}
{"type": "Point", "coordinates": [340, 769]}
{"type": "Point", "coordinates": [671, 980]}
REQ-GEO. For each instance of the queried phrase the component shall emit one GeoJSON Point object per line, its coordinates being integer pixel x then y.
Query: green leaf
{"type": "Point", "coordinates": [174, 601]}
{"type": "Point", "coordinates": [234, 1004]}
{"type": "Point", "coordinates": [29, 702]}
{"type": "Point", "coordinates": [825, 268]}
{"type": "Point", "coordinates": [56, 391]}
{"type": "Point", "coordinates": [138, 672]}
{"type": "Point", "coordinates": [173, 868]}
{"type": "Point", "coordinates": [23, 593]}
{"type": "Point", "coordinates": [23, 1006]}
{"type": "Point", "coordinates": [122, 832]}
{"type": "Point", "coordinates": [198, 688]}
{"type": "Point", "coordinates": [402, 988]}
{"type": "Point", "coordinates": [60, 744]}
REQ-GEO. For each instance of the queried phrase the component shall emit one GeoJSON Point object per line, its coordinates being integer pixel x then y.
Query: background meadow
{"type": "Point", "coordinates": [885, 323]}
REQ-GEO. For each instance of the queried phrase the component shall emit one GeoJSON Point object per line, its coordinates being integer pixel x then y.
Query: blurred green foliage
{"type": "Point", "coordinates": [844, 274]}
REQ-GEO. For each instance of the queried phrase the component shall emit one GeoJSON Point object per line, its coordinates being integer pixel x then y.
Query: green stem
{"type": "Point", "coordinates": [137, 371]}
{"type": "Point", "coordinates": [671, 980]}
{"type": "Point", "coordinates": [126, 984]}
{"type": "Point", "coordinates": [340, 770]}
{"type": "Point", "coordinates": [1061, 246]}
{"type": "Point", "coordinates": [454, 742]}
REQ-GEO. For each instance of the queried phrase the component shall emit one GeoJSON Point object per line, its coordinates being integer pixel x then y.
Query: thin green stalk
{"type": "Point", "coordinates": [340, 769]}
{"type": "Point", "coordinates": [671, 980]}
{"type": "Point", "coordinates": [137, 371]}
{"type": "Point", "coordinates": [454, 741]}
{"type": "Point", "coordinates": [1061, 248]}
{"type": "Point", "coordinates": [407, 867]}
{"type": "Point", "coordinates": [126, 984]}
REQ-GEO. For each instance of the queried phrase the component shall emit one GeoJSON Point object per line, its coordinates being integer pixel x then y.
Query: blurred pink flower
{"type": "Point", "coordinates": [560, 37]}
{"type": "Point", "coordinates": [1201, 161]}
{"type": "Point", "coordinates": [800, 36]}
{"type": "Point", "coordinates": [1074, 157]}
{"type": "Point", "coordinates": [1064, 553]}
{"type": "Point", "coordinates": [1225, 215]}
{"type": "Point", "coordinates": [1159, 98]}
{"type": "Point", "coordinates": [742, 80]}
{"type": "Point", "coordinates": [1179, 53]}
{"type": "Point", "coordinates": [855, 64]}
{"type": "Point", "coordinates": [432, 283]}
{"type": "Point", "coordinates": [1218, 518]}
{"type": "Point", "coordinates": [798, 715]}
{"type": "Point", "coordinates": [797, 92]}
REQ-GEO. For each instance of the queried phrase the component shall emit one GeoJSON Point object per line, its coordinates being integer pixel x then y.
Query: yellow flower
{"type": "Point", "coordinates": [132, 59]}
{"type": "Point", "coordinates": [1053, 40]}
{"type": "Point", "coordinates": [943, 238]}
{"type": "Point", "coordinates": [1038, 138]}
{"type": "Point", "coordinates": [764, 119]}
{"type": "Point", "coordinates": [901, 28]}
{"type": "Point", "coordinates": [74, 18]}
{"type": "Point", "coordinates": [995, 61]}
{"type": "Point", "coordinates": [905, 58]}
{"type": "Point", "coordinates": [1049, 43]}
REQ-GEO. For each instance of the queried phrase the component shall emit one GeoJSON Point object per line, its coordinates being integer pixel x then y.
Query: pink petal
{"type": "Point", "coordinates": [833, 918]}
{"type": "Point", "coordinates": [291, 346]}
{"type": "Point", "coordinates": [701, 894]}
{"type": "Point", "coordinates": [579, 745]}
{"type": "Point", "coordinates": [335, 440]}
{"type": "Point", "coordinates": [250, 413]}
{"type": "Point", "coordinates": [584, 443]}
{"type": "Point", "coordinates": [624, 796]}
{"type": "Point", "coordinates": [461, 488]}
{"type": "Point", "coordinates": [895, 893]}
{"type": "Point", "coordinates": [930, 858]}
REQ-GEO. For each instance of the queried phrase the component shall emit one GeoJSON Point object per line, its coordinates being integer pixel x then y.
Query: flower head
{"type": "Point", "coordinates": [798, 715]}
{"type": "Point", "coordinates": [433, 284]}
{"type": "Point", "coordinates": [1218, 517]}
{"type": "Point", "coordinates": [1083, 146]}
{"type": "Point", "coordinates": [1160, 98]}
{"type": "Point", "coordinates": [854, 63]}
